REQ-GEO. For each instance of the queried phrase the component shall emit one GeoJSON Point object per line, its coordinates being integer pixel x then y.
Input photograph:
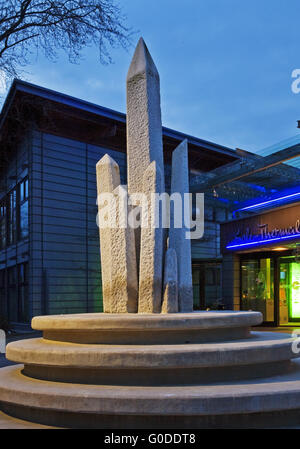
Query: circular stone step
{"type": "Point", "coordinates": [279, 393]}
{"type": "Point", "coordinates": [182, 328]}
{"type": "Point", "coordinates": [261, 347]}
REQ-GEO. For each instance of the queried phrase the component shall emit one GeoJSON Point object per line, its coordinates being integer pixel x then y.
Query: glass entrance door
{"type": "Point", "coordinates": [289, 291]}
{"type": "Point", "coordinates": [257, 286]}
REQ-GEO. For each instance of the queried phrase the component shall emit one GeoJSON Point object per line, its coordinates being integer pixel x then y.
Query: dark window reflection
{"type": "Point", "coordinates": [23, 231]}
{"type": "Point", "coordinates": [12, 294]}
{"type": "Point", "coordinates": [18, 301]}
{"type": "Point", "coordinates": [3, 218]}
{"type": "Point", "coordinates": [12, 216]}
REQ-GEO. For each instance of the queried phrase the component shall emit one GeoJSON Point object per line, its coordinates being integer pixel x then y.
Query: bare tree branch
{"type": "Point", "coordinates": [49, 26]}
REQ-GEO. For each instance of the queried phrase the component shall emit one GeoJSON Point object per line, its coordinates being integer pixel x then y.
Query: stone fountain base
{"type": "Point", "coordinates": [197, 370]}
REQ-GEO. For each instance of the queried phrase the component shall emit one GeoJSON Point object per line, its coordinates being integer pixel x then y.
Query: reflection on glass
{"type": "Point", "coordinates": [207, 286]}
{"type": "Point", "coordinates": [257, 291]}
{"type": "Point", "coordinates": [3, 224]}
{"type": "Point", "coordinates": [289, 291]}
{"type": "Point", "coordinates": [24, 220]}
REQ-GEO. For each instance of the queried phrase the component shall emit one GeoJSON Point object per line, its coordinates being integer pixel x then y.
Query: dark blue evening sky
{"type": "Point", "coordinates": [225, 68]}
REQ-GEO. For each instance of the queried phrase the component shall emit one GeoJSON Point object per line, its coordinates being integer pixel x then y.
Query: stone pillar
{"type": "Point", "coordinates": [151, 255]}
{"type": "Point", "coordinates": [144, 128]}
{"type": "Point", "coordinates": [108, 178]}
{"type": "Point", "coordinates": [170, 290]}
{"type": "Point", "coordinates": [177, 236]}
{"type": "Point", "coordinates": [118, 259]}
{"type": "Point", "coordinates": [122, 259]}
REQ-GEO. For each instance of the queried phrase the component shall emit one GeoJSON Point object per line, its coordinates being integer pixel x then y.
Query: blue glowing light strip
{"type": "Point", "coordinates": [259, 242]}
{"type": "Point", "coordinates": [275, 200]}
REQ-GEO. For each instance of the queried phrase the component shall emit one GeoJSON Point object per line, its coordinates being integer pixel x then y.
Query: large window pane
{"type": "Point", "coordinates": [258, 286]}
{"type": "Point", "coordinates": [289, 290]}
{"type": "Point", "coordinates": [12, 217]}
{"type": "Point", "coordinates": [23, 231]}
{"type": "Point", "coordinates": [12, 294]}
{"type": "Point", "coordinates": [3, 218]}
{"type": "Point", "coordinates": [23, 293]}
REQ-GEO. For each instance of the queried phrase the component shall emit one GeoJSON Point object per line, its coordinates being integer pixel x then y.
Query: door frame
{"type": "Point", "coordinates": [201, 265]}
{"type": "Point", "coordinates": [275, 258]}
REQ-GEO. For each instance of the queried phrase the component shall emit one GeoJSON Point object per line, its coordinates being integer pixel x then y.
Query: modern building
{"type": "Point", "coordinates": [49, 257]}
{"type": "Point", "coordinates": [261, 248]}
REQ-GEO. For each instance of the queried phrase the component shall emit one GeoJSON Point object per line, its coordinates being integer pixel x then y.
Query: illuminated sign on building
{"type": "Point", "coordinates": [273, 227]}
{"type": "Point", "coordinates": [264, 236]}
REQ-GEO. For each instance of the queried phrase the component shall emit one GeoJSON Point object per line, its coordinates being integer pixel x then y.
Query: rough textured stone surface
{"type": "Point", "coordinates": [144, 128]}
{"type": "Point", "coordinates": [151, 252]}
{"type": "Point", "coordinates": [177, 237]}
{"type": "Point", "coordinates": [118, 257]}
{"type": "Point", "coordinates": [124, 283]}
{"type": "Point", "coordinates": [108, 178]}
{"type": "Point", "coordinates": [170, 291]}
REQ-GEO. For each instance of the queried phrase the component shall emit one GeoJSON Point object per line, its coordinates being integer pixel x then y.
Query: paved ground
{"type": "Point", "coordinates": [287, 329]}
{"type": "Point", "coordinates": [7, 422]}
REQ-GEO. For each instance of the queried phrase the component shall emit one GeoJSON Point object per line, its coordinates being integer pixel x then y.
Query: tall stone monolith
{"type": "Point", "coordinates": [124, 282]}
{"type": "Point", "coordinates": [170, 287]}
{"type": "Point", "coordinates": [118, 259]}
{"type": "Point", "coordinates": [144, 135]}
{"type": "Point", "coordinates": [177, 235]}
{"type": "Point", "coordinates": [108, 178]}
{"type": "Point", "coordinates": [152, 247]}
{"type": "Point", "coordinates": [144, 127]}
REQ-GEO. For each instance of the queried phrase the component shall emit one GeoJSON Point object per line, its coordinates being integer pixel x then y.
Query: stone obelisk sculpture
{"type": "Point", "coordinates": [177, 236]}
{"type": "Point", "coordinates": [132, 258]}
{"type": "Point", "coordinates": [152, 245]}
{"type": "Point", "coordinates": [144, 146]}
{"type": "Point", "coordinates": [118, 257]}
{"type": "Point", "coordinates": [143, 120]}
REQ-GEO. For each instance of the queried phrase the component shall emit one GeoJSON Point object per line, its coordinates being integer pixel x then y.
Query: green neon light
{"type": "Point", "coordinates": [295, 290]}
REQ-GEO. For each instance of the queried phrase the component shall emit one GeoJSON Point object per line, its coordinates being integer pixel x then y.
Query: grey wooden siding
{"type": "Point", "coordinates": [65, 269]}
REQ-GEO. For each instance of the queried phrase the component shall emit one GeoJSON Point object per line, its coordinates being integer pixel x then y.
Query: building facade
{"type": "Point", "coordinates": [263, 252]}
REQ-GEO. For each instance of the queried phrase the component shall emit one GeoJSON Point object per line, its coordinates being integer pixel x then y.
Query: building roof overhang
{"type": "Point", "coordinates": [108, 127]}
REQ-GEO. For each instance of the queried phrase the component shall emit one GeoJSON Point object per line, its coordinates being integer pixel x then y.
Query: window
{"type": "Point", "coordinates": [2, 293]}
{"type": "Point", "coordinates": [257, 286]}
{"type": "Point", "coordinates": [12, 216]}
{"type": "Point", "coordinates": [209, 213]}
{"type": "Point", "coordinates": [23, 195]}
{"type": "Point", "coordinates": [220, 214]}
{"type": "Point", "coordinates": [207, 285]}
{"type": "Point", "coordinates": [23, 311]}
{"type": "Point", "coordinates": [18, 308]}
{"type": "Point", "coordinates": [3, 218]}
{"type": "Point", "coordinates": [12, 294]}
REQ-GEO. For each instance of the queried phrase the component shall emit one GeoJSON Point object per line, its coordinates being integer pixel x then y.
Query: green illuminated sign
{"type": "Point", "coordinates": [295, 290]}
